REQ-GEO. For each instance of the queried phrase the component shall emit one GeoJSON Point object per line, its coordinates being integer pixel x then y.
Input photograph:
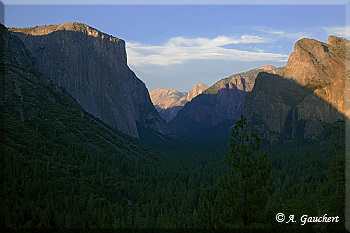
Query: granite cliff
{"type": "Point", "coordinates": [92, 67]}
{"type": "Point", "coordinates": [214, 111]}
{"type": "Point", "coordinates": [169, 102]}
{"type": "Point", "coordinates": [321, 67]}
{"type": "Point", "coordinates": [309, 94]}
{"type": "Point", "coordinates": [39, 118]}
{"type": "Point", "coordinates": [196, 90]}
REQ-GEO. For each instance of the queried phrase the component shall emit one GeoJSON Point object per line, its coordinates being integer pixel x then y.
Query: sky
{"type": "Point", "coordinates": [176, 45]}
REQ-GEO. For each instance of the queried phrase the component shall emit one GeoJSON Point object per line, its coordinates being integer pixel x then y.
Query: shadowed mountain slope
{"type": "Point", "coordinates": [213, 112]}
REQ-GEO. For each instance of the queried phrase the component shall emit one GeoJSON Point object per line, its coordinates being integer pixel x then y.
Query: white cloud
{"type": "Point", "coordinates": [285, 34]}
{"type": "Point", "coordinates": [339, 31]}
{"type": "Point", "coordinates": [177, 50]}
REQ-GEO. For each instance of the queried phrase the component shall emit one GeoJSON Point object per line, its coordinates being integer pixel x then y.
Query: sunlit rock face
{"type": "Point", "coordinates": [196, 90]}
{"type": "Point", "coordinates": [308, 95]}
{"type": "Point", "coordinates": [92, 67]}
{"type": "Point", "coordinates": [169, 102]}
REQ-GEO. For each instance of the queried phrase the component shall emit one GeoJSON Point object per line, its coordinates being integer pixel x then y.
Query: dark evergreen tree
{"type": "Point", "coordinates": [244, 190]}
{"type": "Point", "coordinates": [209, 217]}
{"type": "Point", "coordinates": [334, 188]}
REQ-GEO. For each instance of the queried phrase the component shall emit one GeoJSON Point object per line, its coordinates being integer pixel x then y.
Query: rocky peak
{"type": "Point", "coordinates": [196, 90]}
{"type": "Point", "coordinates": [315, 64]}
{"type": "Point", "coordinates": [321, 67]}
{"type": "Point", "coordinates": [334, 40]}
{"type": "Point", "coordinates": [267, 67]}
{"type": "Point", "coordinates": [309, 94]}
{"type": "Point", "coordinates": [169, 102]}
{"type": "Point", "coordinates": [243, 81]}
{"type": "Point", "coordinates": [164, 98]}
{"type": "Point", "coordinates": [169, 98]}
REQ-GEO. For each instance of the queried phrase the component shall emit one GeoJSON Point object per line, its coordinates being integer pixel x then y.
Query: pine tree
{"type": "Point", "coordinates": [244, 190]}
{"type": "Point", "coordinates": [209, 217]}
{"type": "Point", "coordinates": [334, 188]}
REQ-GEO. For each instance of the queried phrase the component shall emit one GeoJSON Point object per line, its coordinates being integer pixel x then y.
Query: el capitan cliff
{"type": "Point", "coordinates": [92, 67]}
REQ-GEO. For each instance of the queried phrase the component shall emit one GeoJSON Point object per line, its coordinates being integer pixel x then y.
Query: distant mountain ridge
{"type": "Point", "coordinates": [169, 102]}
{"type": "Point", "coordinates": [92, 67]}
{"type": "Point", "coordinates": [249, 77]}
{"type": "Point", "coordinates": [218, 107]}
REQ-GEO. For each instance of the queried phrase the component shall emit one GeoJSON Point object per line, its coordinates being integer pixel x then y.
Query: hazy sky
{"type": "Point", "coordinates": [175, 46]}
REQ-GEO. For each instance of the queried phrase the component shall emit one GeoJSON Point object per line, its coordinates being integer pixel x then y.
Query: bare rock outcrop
{"type": "Point", "coordinates": [169, 102]}
{"type": "Point", "coordinates": [164, 98]}
{"type": "Point", "coordinates": [309, 94]}
{"type": "Point", "coordinates": [92, 67]}
{"type": "Point", "coordinates": [196, 90]}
